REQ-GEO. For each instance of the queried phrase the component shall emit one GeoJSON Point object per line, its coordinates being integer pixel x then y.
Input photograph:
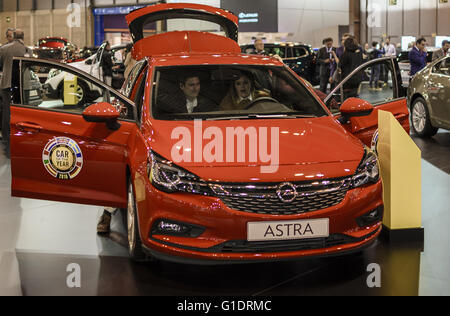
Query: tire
{"type": "Point", "coordinates": [420, 119]}
{"type": "Point", "coordinates": [134, 240]}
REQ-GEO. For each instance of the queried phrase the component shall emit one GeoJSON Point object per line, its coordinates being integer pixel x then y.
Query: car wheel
{"type": "Point", "coordinates": [420, 119]}
{"type": "Point", "coordinates": [134, 239]}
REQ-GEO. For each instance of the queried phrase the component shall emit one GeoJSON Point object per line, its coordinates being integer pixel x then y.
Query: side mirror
{"type": "Point", "coordinates": [354, 107]}
{"type": "Point", "coordinates": [102, 113]}
{"type": "Point", "coordinates": [88, 62]}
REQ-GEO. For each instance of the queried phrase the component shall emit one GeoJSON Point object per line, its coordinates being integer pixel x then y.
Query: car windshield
{"type": "Point", "coordinates": [230, 92]}
{"type": "Point", "coordinates": [49, 53]}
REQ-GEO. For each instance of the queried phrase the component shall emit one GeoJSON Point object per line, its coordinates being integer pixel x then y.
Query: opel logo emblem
{"type": "Point", "coordinates": [286, 192]}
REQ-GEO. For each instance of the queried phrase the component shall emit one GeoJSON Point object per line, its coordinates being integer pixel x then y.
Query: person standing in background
{"type": "Point", "coordinates": [324, 59]}
{"type": "Point", "coordinates": [16, 48]}
{"type": "Point", "coordinates": [442, 51]}
{"type": "Point", "coordinates": [107, 65]}
{"type": "Point", "coordinates": [350, 60]}
{"type": "Point", "coordinates": [9, 36]}
{"type": "Point", "coordinates": [339, 53]}
{"type": "Point", "coordinates": [418, 56]}
{"type": "Point", "coordinates": [259, 47]}
{"type": "Point", "coordinates": [389, 48]}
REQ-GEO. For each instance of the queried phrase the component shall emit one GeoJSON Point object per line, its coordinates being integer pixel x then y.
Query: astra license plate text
{"type": "Point", "coordinates": [285, 230]}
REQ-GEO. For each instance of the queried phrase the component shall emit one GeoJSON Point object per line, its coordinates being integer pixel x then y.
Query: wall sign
{"type": "Point", "coordinates": [254, 15]}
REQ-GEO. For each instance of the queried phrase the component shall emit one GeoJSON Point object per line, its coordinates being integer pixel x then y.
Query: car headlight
{"type": "Point", "coordinates": [169, 178]}
{"type": "Point", "coordinates": [53, 73]}
{"type": "Point", "coordinates": [368, 170]}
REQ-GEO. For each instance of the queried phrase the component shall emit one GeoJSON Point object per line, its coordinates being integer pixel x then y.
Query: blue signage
{"type": "Point", "coordinates": [116, 10]}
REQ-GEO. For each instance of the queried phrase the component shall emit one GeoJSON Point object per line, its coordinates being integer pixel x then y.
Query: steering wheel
{"type": "Point", "coordinates": [251, 104]}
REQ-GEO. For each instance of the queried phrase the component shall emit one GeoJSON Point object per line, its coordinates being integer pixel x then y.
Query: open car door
{"type": "Point", "coordinates": [378, 82]}
{"type": "Point", "coordinates": [56, 153]}
{"type": "Point", "coordinates": [161, 12]}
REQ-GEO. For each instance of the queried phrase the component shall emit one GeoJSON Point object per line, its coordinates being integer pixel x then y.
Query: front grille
{"type": "Point", "coordinates": [265, 199]}
{"type": "Point", "coordinates": [242, 246]}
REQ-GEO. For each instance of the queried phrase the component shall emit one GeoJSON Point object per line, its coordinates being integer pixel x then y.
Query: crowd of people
{"type": "Point", "coordinates": [336, 62]}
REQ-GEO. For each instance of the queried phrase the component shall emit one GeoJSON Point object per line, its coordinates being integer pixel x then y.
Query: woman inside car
{"type": "Point", "coordinates": [241, 94]}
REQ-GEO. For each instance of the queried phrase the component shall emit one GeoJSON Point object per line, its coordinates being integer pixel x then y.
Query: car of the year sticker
{"type": "Point", "coordinates": [62, 158]}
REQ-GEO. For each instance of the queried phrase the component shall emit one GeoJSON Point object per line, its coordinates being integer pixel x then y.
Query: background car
{"type": "Point", "coordinates": [299, 57]}
{"type": "Point", "coordinates": [428, 98]}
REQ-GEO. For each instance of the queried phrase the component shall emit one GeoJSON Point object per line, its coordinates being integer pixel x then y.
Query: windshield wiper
{"type": "Point", "coordinates": [259, 116]}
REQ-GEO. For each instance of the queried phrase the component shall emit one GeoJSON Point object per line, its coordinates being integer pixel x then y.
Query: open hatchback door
{"type": "Point", "coordinates": [161, 12]}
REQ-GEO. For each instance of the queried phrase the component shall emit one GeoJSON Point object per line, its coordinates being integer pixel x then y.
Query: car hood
{"type": "Point", "coordinates": [307, 148]}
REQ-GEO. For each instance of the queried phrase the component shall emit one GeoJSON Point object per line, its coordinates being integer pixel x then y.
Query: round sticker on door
{"type": "Point", "coordinates": [62, 157]}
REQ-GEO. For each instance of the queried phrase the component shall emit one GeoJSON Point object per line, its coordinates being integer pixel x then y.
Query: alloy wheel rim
{"type": "Point", "coordinates": [131, 227]}
{"type": "Point", "coordinates": [419, 116]}
{"type": "Point", "coordinates": [79, 93]}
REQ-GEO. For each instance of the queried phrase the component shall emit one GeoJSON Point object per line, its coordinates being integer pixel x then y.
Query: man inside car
{"type": "Point", "coordinates": [189, 100]}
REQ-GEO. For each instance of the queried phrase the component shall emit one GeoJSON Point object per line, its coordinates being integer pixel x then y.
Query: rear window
{"type": "Point", "coordinates": [229, 92]}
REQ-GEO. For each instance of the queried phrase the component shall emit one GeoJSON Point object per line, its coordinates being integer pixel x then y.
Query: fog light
{"type": "Point", "coordinates": [371, 217]}
{"type": "Point", "coordinates": [174, 228]}
{"type": "Point", "coordinates": [171, 227]}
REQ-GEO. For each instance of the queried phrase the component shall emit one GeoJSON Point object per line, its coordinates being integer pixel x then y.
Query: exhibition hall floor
{"type": "Point", "coordinates": [40, 239]}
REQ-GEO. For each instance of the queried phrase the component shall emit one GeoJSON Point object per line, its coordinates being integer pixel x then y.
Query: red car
{"type": "Point", "coordinates": [215, 156]}
{"type": "Point", "coordinates": [56, 49]}
{"type": "Point", "coordinates": [53, 42]}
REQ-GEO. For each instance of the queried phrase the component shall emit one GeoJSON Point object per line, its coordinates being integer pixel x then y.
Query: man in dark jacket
{"type": "Point", "coordinates": [350, 60]}
{"type": "Point", "coordinates": [107, 65]}
{"type": "Point", "coordinates": [186, 100]}
{"type": "Point", "coordinates": [325, 58]}
{"type": "Point", "coordinates": [441, 52]}
{"type": "Point", "coordinates": [7, 52]}
{"type": "Point", "coordinates": [418, 56]}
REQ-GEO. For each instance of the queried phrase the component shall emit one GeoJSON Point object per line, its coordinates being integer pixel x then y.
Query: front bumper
{"type": "Point", "coordinates": [224, 239]}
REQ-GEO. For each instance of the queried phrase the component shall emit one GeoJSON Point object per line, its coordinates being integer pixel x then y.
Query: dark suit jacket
{"type": "Point", "coordinates": [176, 104]}
{"type": "Point", "coordinates": [7, 53]}
{"type": "Point", "coordinates": [323, 55]}
{"type": "Point", "coordinates": [417, 60]}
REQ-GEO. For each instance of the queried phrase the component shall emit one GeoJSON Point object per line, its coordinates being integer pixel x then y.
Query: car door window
{"type": "Point", "coordinates": [300, 52]}
{"type": "Point", "coordinates": [55, 87]}
{"type": "Point", "coordinates": [442, 67]}
{"type": "Point", "coordinates": [374, 83]}
{"type": "Point", "coordinates": [289, 52]}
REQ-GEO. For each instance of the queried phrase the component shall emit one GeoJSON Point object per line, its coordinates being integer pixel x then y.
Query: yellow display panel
{"type": "Point", "coordinates": [70, 89]}
{"type": "Point", "coordinates": [400, 165]}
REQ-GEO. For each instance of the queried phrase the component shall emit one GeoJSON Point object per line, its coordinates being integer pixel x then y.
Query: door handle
{"type": "Point", "coordinates": [29, 127]}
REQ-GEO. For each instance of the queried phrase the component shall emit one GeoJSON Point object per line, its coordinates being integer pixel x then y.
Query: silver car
{"type": "Point", "coordinates": [429, 98]}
